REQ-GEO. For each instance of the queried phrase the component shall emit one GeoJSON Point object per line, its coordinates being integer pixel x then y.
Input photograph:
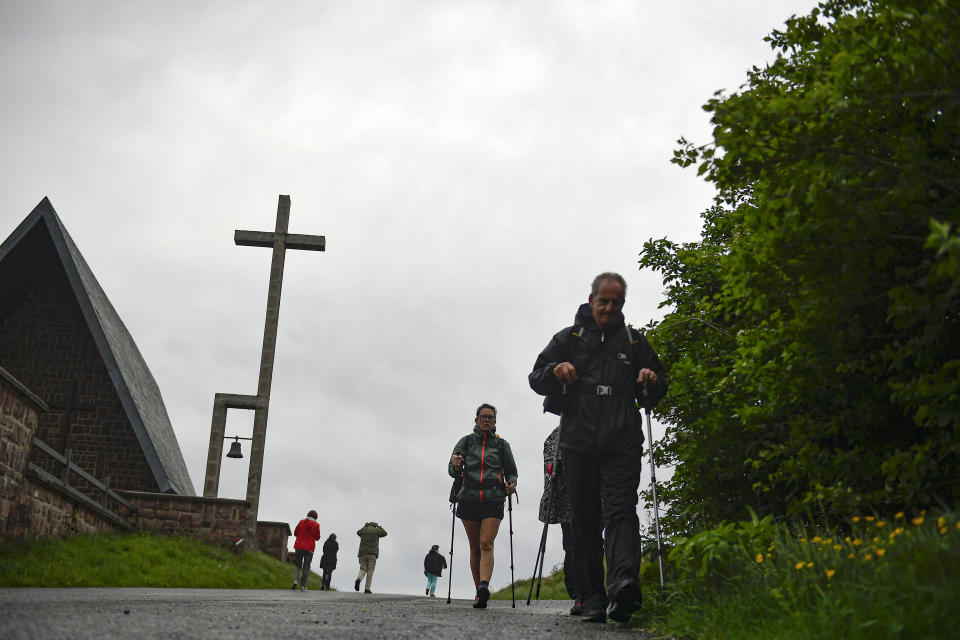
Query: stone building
{"type": "Point", "coordinates": [84, 416]}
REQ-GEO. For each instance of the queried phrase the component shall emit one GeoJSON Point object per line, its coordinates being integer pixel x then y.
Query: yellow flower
{"type": "Point", "coordinates": [770, 548]}
{"type": "Point", "coordinates": [958, 526]}
{"type": "Point", "coordinates": [880, 552]}
{"type": "Point", "coordinates": [857, 542]}
{"type": "Point", "coordinates": [828, 541]}
{"type": "Point", "coordinates": [856, 519]}
{"type": "Point", "coordinates": [869, 518]}
{"type": "Point", "coordinates": [759, 557]}
{"type": "Point", "coordinates": [830, 573]}
{"type": "Point", "coordinates": [898, 515]}
{"type": "Point", "coordinates": [923, 512]}
{"type": "Point", "coordinates": [876, 539]}
{"type": "Point", "coordinates": [837, 547]}
{"type": "Point", "coordinates": [898, 530]}
{"type": "Point", "coordinates": [803, 540]}
{"type": "Point", "coordinates": [943, 531]}
{"type": "Point", "coordinates": [847, 539]}
{"type": "Point", "coordinates": [869, 556]}
{"type": "Point", "coordinates": [809, 564]}
{"type": "Point", "coordinates": [798, 566]}
{"type": "Point", "coordinates": [917, 521]}
{"type": "Point", "coordinates": [850, 556]}
{"type": "Point", "coordinates": [881, 524]}
{"type": "Point", "coordinates": [941, 522]}
{"type": "Point", "coordinates": [893, 534]}
{"type": "Point", "coordinates": [817, 539]}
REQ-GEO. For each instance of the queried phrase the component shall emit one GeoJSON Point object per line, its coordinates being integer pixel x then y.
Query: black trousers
{"type": "Point", "coordinates": [569, 566]}
{"type": "Point", "coordinates": [603, 500]}
{"type": "Point", "coordinates": [327, 576]}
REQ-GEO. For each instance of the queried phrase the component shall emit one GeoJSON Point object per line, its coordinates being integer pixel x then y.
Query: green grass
{"type": "Point", "coordinates": [132, 560]}
{"type": "Point", "coordinates": [879, 578]}
{"type": "Point", "coordinates": [550, 589]}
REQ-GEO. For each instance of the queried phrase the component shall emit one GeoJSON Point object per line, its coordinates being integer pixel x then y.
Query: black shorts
{"type": "Point", "coordinates": [467, 510]}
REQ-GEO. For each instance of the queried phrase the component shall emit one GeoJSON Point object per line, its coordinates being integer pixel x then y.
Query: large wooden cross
{"type": "Point", "coordinates": [280, 241]}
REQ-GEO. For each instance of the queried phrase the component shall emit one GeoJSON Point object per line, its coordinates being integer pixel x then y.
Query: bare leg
{"type": "Point", "coordinates": [488, 531]}
{"type": "Point", "coordinates": [472, 527]}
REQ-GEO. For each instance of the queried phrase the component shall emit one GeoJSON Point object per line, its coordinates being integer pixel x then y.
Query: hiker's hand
{"type": "Point", "coordinates": [647, 376]}
{"type": "Point", "coordinates": [565, 372]}
{"type": "Point", "coordinates": [511, 489]}
{"type": "Point", "coordinates": [456, 460]}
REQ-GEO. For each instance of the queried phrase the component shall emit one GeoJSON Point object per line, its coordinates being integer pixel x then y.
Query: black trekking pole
{"type": "Point", "coordinates": [538, 562]}
{"type": "Point", "coordinates": [513, 595]}
{"type": "Point", "coordinates": [453, 526]}
{"type": "Point", "coordinates": [554, 469]}
{"type": "Point", "coordinates": [653, 482]}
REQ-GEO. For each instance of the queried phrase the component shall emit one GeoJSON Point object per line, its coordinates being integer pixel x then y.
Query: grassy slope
{"type": "Point", "coordinates": [130, 560]}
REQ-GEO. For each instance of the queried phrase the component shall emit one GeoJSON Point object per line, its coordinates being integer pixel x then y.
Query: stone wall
{"type": "Point", "coordinates": [272, 537]}
{"type": "Point", "coordinates": [29, 509]}
{"type": "Point", "coordinates": [219, 520]}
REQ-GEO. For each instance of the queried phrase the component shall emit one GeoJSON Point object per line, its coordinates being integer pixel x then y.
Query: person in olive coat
{"type": "Point", "coordinates": [328, 561]}
{"type": "Point", "coordinates": [367, 554]}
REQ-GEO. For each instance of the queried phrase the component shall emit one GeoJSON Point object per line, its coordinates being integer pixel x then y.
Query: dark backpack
{"type": "Point", "coordinates": [458, 481]}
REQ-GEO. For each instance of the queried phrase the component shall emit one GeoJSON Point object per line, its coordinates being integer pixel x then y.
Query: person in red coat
{"type": "Point", "coordinates": [307, 533]}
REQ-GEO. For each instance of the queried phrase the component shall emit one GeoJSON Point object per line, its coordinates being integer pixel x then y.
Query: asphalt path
{"type": "Point", "coordinates": [145, 614]}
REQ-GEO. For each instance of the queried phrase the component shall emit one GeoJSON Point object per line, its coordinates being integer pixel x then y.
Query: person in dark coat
{"type": "Point", "coordinates": [596, 373]}
{"type": "Point", "coordinates": [433, 565]}
{"type": "Point", "coordinates": [328, 561]}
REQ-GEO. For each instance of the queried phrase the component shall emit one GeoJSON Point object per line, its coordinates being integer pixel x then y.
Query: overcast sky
{"type": "Point", "coordinates": [472, 165]}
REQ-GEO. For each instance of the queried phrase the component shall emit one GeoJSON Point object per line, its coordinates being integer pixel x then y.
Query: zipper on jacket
{"type": "Point", "coordinates": [483, 450]}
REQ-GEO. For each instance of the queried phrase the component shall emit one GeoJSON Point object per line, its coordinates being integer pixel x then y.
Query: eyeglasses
{"type": "Point", "coordinates": [486, 418]}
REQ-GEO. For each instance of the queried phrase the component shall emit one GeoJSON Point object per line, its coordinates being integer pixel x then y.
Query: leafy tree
{"type": "Point", "coordinates": [814, 337]}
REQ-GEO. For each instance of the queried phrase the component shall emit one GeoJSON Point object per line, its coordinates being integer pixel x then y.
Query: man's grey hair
{"type": "Point", "coordinates": [608, 275]}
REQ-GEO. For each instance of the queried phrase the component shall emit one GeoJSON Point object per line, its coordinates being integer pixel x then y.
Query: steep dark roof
{"type": "Point", "coordinates": [135, 386]}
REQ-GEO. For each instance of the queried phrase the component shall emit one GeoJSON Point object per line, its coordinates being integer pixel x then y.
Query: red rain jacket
{"type": "Point", "coordinates": [307, 532]}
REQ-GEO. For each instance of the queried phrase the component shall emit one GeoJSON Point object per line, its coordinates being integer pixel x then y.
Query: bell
{"type": "Point", "coordinates": [234, 450]}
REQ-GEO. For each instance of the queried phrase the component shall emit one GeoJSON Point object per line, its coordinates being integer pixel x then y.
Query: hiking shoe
{"type": "Point", "coordinates": [426, 591]}
{"type": "Point", "coordinates": [483, 594]}
{"type": "Point", "coordinates": [594, 613]}
{"type": "Point", "coordinates": [294, 587]}
{"type": "Point", "coordinates": [625, 602]}
{"type": "Point", "coordinates": [576, 609]}
{"type": "Point", "coordinates": [367, 591]}
{"type": "Point", "coordinates": [432, 596]}
{"type": "Point", "coordinates": [356, 586]}
{"type": "Point", "coordinates": [303, 588]}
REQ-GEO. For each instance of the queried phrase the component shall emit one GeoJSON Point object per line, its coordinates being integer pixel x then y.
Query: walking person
{"type": "Point", "coordinates": [595, 373]}
{"type": "Point", "coordinates": [370, 534]}
{"type": "Point", "coordinates": [307, 533]}
{"type": "Point", "coordinates": [433, 565]}
{"type": "Point", "coordinates": [485, 463]}
{"type": "Point", "coordinates": [557, 511]}
{"type": "Point", "coordinates": [328, 561]}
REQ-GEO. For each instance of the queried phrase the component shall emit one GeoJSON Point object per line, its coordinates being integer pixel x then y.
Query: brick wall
{"type": "Point", "coordinates": [29, 509]}
{"type": "Point", "coordinates": [273, 538]}
{"type": "Point", "coordinates": [218, 520]}
{"type": "Point", "coordinates": [46, 344]}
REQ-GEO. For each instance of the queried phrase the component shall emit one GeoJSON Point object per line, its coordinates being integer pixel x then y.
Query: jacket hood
{"type": "Point", "coordinates": [584, 317]}
{"type": "Point", "coordinates": [477, 431]}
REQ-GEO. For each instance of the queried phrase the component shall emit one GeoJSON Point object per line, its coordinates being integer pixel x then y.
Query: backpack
{"type": "Point", "coordinates": [458, 481]}
{"type": "Point", "coordinates": [555, 404]}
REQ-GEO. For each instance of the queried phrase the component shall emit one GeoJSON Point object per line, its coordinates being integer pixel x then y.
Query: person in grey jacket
{"type": "Point", "coordinates": [370, 534]}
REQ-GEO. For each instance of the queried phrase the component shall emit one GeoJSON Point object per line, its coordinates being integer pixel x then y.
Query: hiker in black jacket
{"type": "Point", "coordinates": [328, 561]}
{"type": "Point", "coordinates": [433, 565]}
{"type": "Point", "coordinates": [595, 373]}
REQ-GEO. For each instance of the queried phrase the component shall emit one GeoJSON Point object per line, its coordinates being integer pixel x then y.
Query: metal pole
{"type": "Point", "coordinates": [450, 574]}
{"type": "Point", "coordinates": [513, 595]}
{"type": "Point", "coordinates": [539, 562]}
{"type": "Point", "coordinates": [656, 507]}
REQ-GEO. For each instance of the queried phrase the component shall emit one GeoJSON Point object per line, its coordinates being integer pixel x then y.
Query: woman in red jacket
{"type": "Point", "coordinates": [307, 533]}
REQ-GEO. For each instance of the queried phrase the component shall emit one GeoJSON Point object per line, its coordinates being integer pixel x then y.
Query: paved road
{"type": "Point", "coordinates": [210, 614]}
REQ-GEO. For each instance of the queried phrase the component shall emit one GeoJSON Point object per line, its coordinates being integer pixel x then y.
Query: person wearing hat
{"type": "Point", "coordinates": [433, 565]}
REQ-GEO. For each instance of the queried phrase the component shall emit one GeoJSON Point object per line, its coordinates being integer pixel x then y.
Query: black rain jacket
{"type": "Point", "coordinates": [595, 423]}
{"type": "Point", "coordinates": [434, 563]}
